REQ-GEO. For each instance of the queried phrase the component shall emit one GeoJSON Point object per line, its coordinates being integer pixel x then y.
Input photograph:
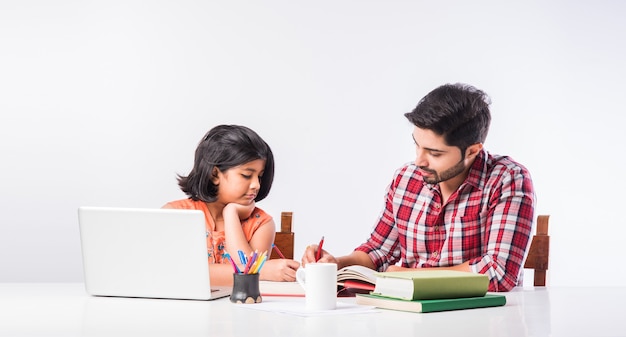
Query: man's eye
{"type": "Point", "coordinates": [435, 154]}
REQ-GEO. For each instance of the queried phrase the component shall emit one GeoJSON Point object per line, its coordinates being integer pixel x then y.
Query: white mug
{"type": "Point", "coordinates": [319, 281]}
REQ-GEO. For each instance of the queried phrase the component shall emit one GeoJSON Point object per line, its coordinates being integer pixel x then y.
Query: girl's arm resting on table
{"type": "Point", "coordinates": [221, 274]}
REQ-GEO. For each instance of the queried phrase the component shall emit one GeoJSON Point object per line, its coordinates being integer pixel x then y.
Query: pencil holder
{"type": "Point", "coordinates": [246, 289]}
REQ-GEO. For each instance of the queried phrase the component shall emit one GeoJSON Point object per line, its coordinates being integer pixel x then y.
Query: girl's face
{"type": "Point", "coordinates": [240, 184]}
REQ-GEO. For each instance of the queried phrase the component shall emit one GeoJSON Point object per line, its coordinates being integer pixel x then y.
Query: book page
{"type": "Point", "coordinates": [356, 272]}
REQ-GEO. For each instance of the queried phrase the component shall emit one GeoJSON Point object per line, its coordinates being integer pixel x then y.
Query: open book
{"type": "Point", "coordinates": [351, 280]}
{"type": "Point", "coordinates": [355, 279]}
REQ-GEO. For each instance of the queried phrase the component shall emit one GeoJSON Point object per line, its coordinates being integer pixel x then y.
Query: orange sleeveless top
{"type": "Point", "coordinates": [216, 239]}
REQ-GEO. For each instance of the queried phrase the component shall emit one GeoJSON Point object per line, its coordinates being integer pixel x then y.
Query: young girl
{"type": "Point", "coordinates": [233, 169]}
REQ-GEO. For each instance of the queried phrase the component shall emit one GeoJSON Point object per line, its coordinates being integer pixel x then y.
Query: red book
{"type": "Point", "coordinates": [353, 280]}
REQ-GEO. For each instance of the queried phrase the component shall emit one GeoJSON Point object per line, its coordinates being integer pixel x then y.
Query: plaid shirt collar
{"type": "Point", "coordinates": [477, 176]}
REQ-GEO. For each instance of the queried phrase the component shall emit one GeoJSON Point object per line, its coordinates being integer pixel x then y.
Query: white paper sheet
{"type": "Point", "coordinates": [296, 306]}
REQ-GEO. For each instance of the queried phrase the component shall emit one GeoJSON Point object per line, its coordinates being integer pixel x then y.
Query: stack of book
{"type": "Point", "coordinates": [430, 291]}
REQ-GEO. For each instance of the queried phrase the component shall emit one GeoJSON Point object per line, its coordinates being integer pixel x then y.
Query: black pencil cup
{"type": "Point", "coordinates": [246, 289]}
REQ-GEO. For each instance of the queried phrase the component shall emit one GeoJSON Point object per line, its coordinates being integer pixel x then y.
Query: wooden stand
{"type": "Point", "coordinates": [284, 239]}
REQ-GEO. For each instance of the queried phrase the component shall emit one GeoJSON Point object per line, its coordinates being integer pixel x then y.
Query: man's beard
{"type": "Point", "coordinates": [450, 173]}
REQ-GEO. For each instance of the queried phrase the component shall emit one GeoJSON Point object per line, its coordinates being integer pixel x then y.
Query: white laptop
{"type": "Point", "coordinates": [153, 253]}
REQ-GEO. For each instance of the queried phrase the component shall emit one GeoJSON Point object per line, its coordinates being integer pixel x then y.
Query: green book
{"type": "Point", "coordinates": [488, 300]}
{"type": "Point", "coordinates": [430, 284]}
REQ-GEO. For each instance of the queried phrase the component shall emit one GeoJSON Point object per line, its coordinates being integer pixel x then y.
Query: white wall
{"type": "Point", "coordinates": [103, 102]}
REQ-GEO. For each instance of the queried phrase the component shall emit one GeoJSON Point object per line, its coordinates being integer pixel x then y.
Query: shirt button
{"type": "Point", "coordinates": [436, 228]}
{"type": "Point", "coordinates": [437, 206]}
{"type": "Point", "coordinates": [435, 254]}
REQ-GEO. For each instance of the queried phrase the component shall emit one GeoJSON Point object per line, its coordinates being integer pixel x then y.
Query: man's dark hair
{"type": "Point", "coordinates": [458, 112]}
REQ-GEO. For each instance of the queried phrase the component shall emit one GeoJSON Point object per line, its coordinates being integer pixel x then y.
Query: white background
{"type": "Point", "coordinates": [102, 103]}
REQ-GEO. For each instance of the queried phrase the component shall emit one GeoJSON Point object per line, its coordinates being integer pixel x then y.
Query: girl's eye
{"type": "Point", "coordinates": [246, 176]}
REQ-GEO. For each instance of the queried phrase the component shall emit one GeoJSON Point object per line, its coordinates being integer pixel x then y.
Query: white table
{"type": "Point", "coordinates": [32, 309]}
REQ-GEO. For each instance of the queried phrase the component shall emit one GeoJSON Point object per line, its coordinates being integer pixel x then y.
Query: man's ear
{"type": "Point", "coordinates": [473, 150]}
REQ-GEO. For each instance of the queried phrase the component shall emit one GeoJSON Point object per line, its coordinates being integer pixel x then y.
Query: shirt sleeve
{"type": "Point", "coordinates": [383, 246]}
{"type": "Point", "coordinates": [507, 229]}
{"type": "Point", "coordinates": [257, 219]}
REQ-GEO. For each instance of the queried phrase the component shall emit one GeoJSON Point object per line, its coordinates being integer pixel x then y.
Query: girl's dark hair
{"type": "Point", "coordinates": [224, 147]}
{"type": "Point", "coordinates": [458, 112]}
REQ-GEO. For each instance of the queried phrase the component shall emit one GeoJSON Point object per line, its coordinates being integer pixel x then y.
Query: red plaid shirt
{"type": "Point", "coordinates": [487, 221]}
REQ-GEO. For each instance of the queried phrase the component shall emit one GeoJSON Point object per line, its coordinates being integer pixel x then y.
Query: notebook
{"type": "Point", "coordinates": [150, 253]}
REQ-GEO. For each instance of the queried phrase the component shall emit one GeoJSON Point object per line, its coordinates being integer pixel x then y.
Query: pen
{"type": "Point", "coordinates": [250, 263]}
{"type": "Point", "coordinates": [259, 262]}
{"type": "Point", "coordinates": [258, 269]}
{"type": "Point", "coordinates": [318, 255]}
{"type": "Point", "coordinates": [226, 255]}
{"type": "Point", "coordinates": [242, 257]}
{"type": "Point", "coordinates": [278, 251]}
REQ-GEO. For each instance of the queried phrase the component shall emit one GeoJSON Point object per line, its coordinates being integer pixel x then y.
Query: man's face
{"type": "Point", "coordinates": [437, 161]}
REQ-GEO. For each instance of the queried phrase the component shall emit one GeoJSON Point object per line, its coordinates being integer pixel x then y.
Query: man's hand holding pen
{"type": "Point", "coordinates": [316, 253]}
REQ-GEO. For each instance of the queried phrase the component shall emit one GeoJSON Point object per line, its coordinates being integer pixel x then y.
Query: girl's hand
{"type": "Point", "coordinates": [242, 211]}
{"type": "Point", "coordinates": [279, 270]}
